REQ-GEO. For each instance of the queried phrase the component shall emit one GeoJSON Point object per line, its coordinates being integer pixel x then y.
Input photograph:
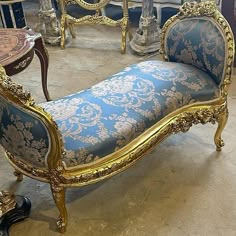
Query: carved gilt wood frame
{"type": "Point", "coordinates": [60, 177]}
{"type": "Point", "coordinates": [67, 21]}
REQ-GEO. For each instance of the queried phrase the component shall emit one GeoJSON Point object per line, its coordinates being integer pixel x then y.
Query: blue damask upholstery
{"type": "Point", "coordinates": [23, 134]}
{"type": "Point", "coordinates": [199, 42]}
{"type": "Point", "coordinates": [100, 120]}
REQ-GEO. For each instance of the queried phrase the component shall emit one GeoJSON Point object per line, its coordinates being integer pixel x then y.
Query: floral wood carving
{"type": "Point", "coordinates": [15, 89]}
{"type": "Point", "coordinates": [94, 6]}
{"type": "Point", "coordinates": [202, 116]}
{"type": "Point", "coordinates": [55, 178]}
{"type": "Point", "coordinates": [23, 63]}
{"type": "Point", "coordinates": [190, 9]}
{"type": "Point", "coordinates": [27, 168]}
{"type": "Point", "coordinates": [7, 202]}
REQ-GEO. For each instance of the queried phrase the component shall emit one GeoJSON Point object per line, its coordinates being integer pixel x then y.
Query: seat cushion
{"type": "Point", "coordinates": [100, 120]}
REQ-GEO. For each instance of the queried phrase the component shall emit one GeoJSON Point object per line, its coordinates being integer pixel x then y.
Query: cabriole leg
{"type": "Point", "coordinates": [63, 33]}
{"type": "Point", "coordinates": [222, 120]}
{"type": "Point", "coordinates": [58, 193]}
{"type": "Point", "coordinates": [124, 25]}
{"type": "Point", "coordinates": [19, 175]}
{"type": "Point", "coordinates": [124, 29]}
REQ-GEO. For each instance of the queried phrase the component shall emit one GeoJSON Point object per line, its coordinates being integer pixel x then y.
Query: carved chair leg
{"type": "Point", "coordinates": [63, 33]}
{"type": "Point", "coordinates": [58, 193]}
{"type": "Point", "coordinates": [124, 25]}
{"type": "Point", "coordinates": [72, 31]}
{"type": "Point", "coordinates": [222, 120]}
{"type": "Point", "coordinates": [124, 29]}
{"type": "Point", "coordinates": [19, 175]}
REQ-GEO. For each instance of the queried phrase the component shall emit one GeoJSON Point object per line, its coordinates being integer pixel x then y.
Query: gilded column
{"type": "Point", "coordinates": [146, 39]}
{"type": "Point", "coordinates": [48, 24]}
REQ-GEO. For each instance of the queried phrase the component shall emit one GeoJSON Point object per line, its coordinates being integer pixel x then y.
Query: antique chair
{"type": "Point", "coordinates": [94, 134]}
{"type": "Point", "coordinates": [159, 5]}
{"type": "Point", "coordinates": [67, 20]}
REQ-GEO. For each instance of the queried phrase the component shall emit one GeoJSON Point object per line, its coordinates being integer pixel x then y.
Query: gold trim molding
{"type": "Point", "coordinates": [23, 63]}
{"type": "Point", "coordinates": [67, 21]}
{"type": "Point", "coordinates": [192, 9]}
{"type": "Point", "coordinates": [180, 123]}
{"type": "Point", "coordinates": [7, 202]}
{"type": "Point", "coordinates": [89, 6]}
{"type": "Point", "coordinates": [14, 89]}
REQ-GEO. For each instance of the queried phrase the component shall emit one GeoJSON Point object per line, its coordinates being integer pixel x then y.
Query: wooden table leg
{"type": "Point", "coordinates": [42, 54]}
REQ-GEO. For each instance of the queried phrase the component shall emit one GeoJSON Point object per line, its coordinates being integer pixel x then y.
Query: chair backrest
{"type": "Point", "coordinates": [25, 131]}
{"type": "Point", "coordinates": [199, 35]}
{"type": "Point", "coordinates": [22, 134]}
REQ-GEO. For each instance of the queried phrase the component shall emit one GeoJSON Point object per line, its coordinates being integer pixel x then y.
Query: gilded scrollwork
{"type": "Point", "coordinates": [68, 21]}
{"type": "Point", "coordinates": [16, 90]}
{"type": "Point", "coordinates": [190, 9]}
{"type": "Point", "coordinates": [89, 6]}
{"type": "Point", "coordinates": [93, 19]}
{"type": "Point", "coordinates": [23, 63]}
{"type": "Point", "coordinates": [56, 179]}
{"type": "Point", "coordinates": [7, 202]}
{"type": "Point", "coordinates": [28, 169]}
{"type": "Point", "coordinates": [202, 116]}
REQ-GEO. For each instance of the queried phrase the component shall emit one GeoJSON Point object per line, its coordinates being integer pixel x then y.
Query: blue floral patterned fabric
{"type": "Point", "coordinates": [197, 42]}
{"type": "Point", "coordinates": [23, 134]}
{"type": "Point", "coordinates": [100, 120]}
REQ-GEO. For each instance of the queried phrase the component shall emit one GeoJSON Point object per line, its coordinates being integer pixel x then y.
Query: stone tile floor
{"type": "Point", "coordinates": [184, 187]}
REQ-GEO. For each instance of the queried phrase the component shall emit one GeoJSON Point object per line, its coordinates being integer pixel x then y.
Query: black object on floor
{"type": "Point", "coordinates": [19, 213]}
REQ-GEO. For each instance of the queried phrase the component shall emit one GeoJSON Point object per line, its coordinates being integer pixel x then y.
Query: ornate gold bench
{"type": "Point", "coordinates": [94, 134]}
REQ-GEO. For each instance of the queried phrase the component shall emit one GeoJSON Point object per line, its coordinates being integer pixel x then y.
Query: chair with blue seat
{"type": "Point", "coordinates": [163, 8]}
{"type": "Point", "coordinates": [94, 134]}
{"type": "Point", "coordinates": [94, 16]}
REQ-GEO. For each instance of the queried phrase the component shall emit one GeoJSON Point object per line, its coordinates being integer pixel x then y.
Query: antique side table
{"type": "Point", "coordinates": [17, 48]}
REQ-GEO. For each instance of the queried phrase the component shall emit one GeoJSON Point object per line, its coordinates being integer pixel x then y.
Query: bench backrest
{"type": "Point", "coordinates": [199, 35]}
{"type": "Point", "coordinates": [25, 130]}
{"type": "Point", "coordinates": [23, 134]}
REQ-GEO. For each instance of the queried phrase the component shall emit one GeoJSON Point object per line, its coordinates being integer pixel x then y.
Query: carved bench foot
{"type": "Point", "coordinates": [222, 120]}
{"type": "Point", "coordinates": [19, 175]}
